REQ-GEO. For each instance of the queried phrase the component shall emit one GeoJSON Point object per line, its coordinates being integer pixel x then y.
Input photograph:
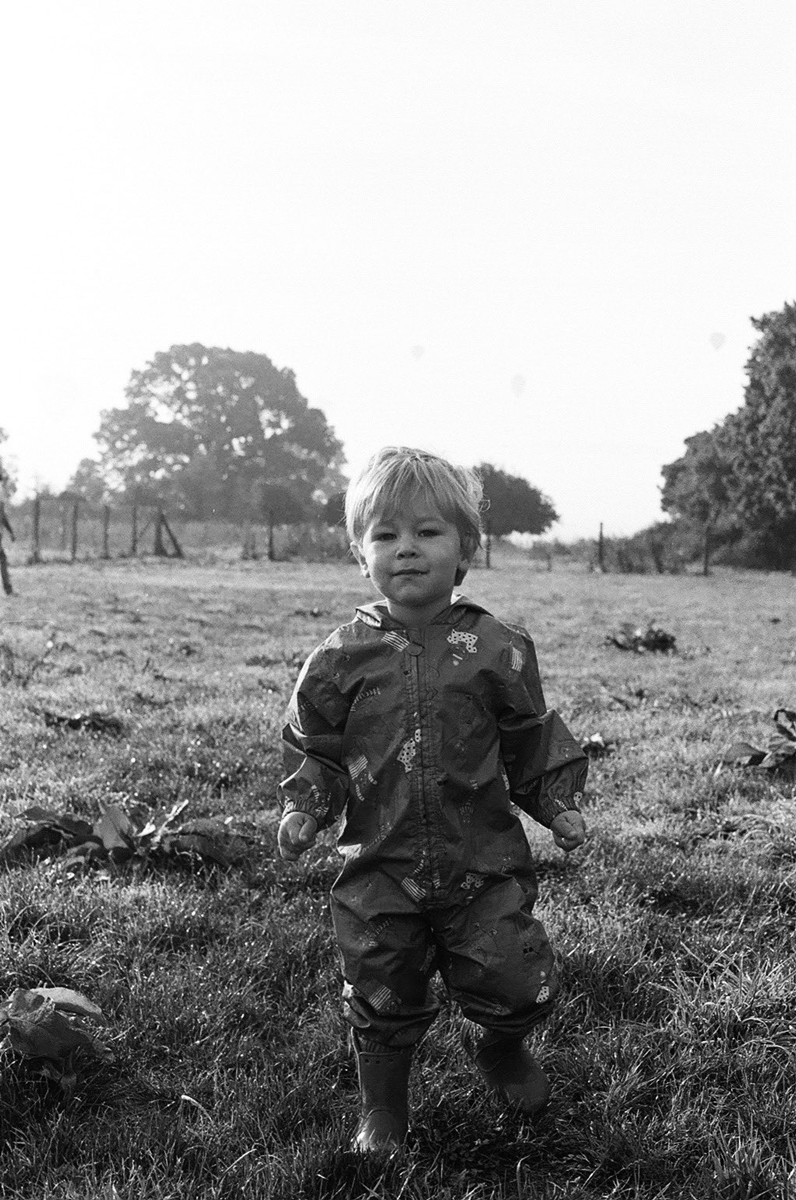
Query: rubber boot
{"type": "Point", "coordinates": [384, 1093]}
{"type": "Point", "coordinates": [508, 1066]}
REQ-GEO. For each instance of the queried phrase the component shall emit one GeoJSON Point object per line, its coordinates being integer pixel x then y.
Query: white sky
{"type": "Point", "coordinates": [527, 232]}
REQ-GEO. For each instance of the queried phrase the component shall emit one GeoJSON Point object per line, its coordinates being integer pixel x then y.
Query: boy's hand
{"type": "Point", "coordinates": [568, 830]}
{"type": "Point", "coordinates": [297, 832]}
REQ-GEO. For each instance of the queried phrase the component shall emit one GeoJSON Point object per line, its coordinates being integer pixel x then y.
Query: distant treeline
{"type": "Point", "coordinates": [665, 548]}
{"type": "Point", "coordinates": [62, 528]}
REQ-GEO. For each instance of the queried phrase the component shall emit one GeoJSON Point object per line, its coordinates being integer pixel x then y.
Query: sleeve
{"type": "Point", "coordinates": [312, 739]}
{"type": "Point", "coordinates": [545, 765]}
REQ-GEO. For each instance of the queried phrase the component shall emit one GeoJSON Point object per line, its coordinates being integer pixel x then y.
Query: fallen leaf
{"type": "Point", "coordinates": [36, 1028]}
{"type": "Point", "coordinates": [117, 833]}
{"type": "Point", "coordinates": [743, 755]}
{"type": "Point", "coordinates": [785, 721]}
{"type": "Point", "coordinates": [640, 640]}
{"type": "Point", "coordinates": [597, 746]}
{"type": "Point", "coordinates": [67, 1000]}
{"type": "Point", "coordinates": [97, 722]}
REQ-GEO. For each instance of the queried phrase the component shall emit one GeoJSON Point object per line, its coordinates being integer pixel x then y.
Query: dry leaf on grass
{"type": "Point", "coordinates": [45, 1025]}
{"type": "Point", "coordinates": [117, 838]}
{"type": "Point", "coordinates": [780, 756]}
{"type": "Point", "coordinates": [596, 746]}
{"type": "Point", "coordinates": [96, 722]}
{"type": "Point", "coordinates": [640, 641]}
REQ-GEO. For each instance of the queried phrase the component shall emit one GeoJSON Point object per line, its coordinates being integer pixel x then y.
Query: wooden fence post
{"type": "Point", "coordinates": [601, 549]}
{"type": "Point", "coordinates": [35, 544]}
{"type": "Point", "coordinates": [4, 573]}
{"type": "Point", "coordinates": [162, 526]}
{"type": "Point", "coordinates": [5, 576]}
{"type": "Point", "coordinates": [73, 548]}
{"type": "Point", "coordinates": [249, 548]}
{"type": "Point", "coordinates": [177, 547]}
{"type": "Point", "coordinates": [159, 550]}
{"type": "Point", "coordinates": [106, 525]}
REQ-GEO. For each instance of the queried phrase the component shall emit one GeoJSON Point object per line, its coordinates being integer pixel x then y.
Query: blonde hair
{"type": "Point", "coordinates": [397, 472]}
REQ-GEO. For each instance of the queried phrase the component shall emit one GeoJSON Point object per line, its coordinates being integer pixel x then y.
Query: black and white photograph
{"type": "Point", "coordinates": [398, 600]}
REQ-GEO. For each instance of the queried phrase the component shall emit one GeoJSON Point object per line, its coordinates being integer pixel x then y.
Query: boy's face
{"type": "Point", "coordinates": [412, 558]}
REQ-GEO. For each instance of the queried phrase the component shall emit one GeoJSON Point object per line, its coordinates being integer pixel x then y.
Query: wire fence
{"type": "Point", "coordinates": [65, 529]}
{"type": "Point", "coordinates": [52, 529]}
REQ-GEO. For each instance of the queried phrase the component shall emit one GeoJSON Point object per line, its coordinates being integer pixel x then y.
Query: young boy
{"type": "Point", "coordinates": [420, 722]}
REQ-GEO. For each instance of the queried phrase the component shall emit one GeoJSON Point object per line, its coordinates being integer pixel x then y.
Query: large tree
{"type": "Point", "coordinates": [763, 430]}
{"type": "Point", "coordinates": [698, 486]}
{"type": "Point", "coordinates": [88, 482]}
{"type": "Point", "coordinates": [513, 505]}
{"type": "Point", "coordinates": [743, 472]}
{"type": "Point", "coordinates": [211, 430]}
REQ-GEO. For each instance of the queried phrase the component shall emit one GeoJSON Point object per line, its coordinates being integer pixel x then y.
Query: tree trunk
{"type": "Point", "coordinates": [656, 555]}
{"type": "Point", "coordinates": [271, 555]}
{"type": "Point", "coordinates": [601, 549]}
{"type": "Point", "coordinates": [706, 548]}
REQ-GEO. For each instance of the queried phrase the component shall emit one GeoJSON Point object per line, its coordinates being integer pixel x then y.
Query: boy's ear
{"type": "Point", "coordinates": [359, 556]}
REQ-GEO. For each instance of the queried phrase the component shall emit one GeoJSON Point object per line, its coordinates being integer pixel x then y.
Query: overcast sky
{"type": "Point", "coordinates": [527, 232]}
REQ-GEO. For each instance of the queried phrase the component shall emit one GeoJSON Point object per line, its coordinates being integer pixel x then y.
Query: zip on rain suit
{"type": "Point", "coordinates": [421, 739]}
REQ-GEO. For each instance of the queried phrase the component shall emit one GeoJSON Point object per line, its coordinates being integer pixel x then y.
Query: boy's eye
{"type": "Point", "coordinates": [429, 533]}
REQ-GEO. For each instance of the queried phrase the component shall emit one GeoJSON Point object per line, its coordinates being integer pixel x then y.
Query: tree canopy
{"type": "Point", "coordinates": [513, 504]}
{"type": "Point", "coordinates": [698, 486]}
{"type": "Point", "coordinates": [763, 431]}
{"type": "Point", "coordinates": [742, 473]}
{"type": "Point", "coordinates": [88, 481]}
{"type": "Point", "coordinates": [212, 430]}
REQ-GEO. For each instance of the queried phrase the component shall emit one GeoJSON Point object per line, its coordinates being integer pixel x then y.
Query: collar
{"type": "Point", "coordinates": [378, 617]}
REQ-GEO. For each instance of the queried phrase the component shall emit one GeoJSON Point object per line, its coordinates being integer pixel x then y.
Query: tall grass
{"type": "Point", "coordinates": [672, 1049]}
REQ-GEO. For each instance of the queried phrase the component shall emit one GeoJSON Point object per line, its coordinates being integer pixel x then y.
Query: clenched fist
{"type": "Point", "coordinates": [297, 832]}
{"type": "Point", "coordinates": [568, 830]}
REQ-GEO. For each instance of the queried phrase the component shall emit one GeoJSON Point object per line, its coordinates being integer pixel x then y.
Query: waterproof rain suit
{"type": "Point", "coordinates": [421, 739]}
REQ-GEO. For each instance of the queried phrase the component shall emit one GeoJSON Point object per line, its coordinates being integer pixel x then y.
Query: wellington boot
{"type": "Point", "coordinates": [384, 1091]}
{"type": "Point", "coordinates": [508, 1066]}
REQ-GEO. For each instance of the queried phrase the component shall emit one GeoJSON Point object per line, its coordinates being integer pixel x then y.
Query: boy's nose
{"type": "Point", "coordinates": [406, 545]}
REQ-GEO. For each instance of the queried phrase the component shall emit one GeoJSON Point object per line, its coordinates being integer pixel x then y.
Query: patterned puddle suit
{"type": "Point", "coordinates": [421, 740]}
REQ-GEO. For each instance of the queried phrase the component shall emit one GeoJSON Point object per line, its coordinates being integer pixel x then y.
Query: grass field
{"type": "Point", "coordinates": [672, 1051]}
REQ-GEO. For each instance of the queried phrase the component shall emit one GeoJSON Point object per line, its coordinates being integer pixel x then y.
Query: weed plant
{"type": "Point", "coordinates": [672, 1051]}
